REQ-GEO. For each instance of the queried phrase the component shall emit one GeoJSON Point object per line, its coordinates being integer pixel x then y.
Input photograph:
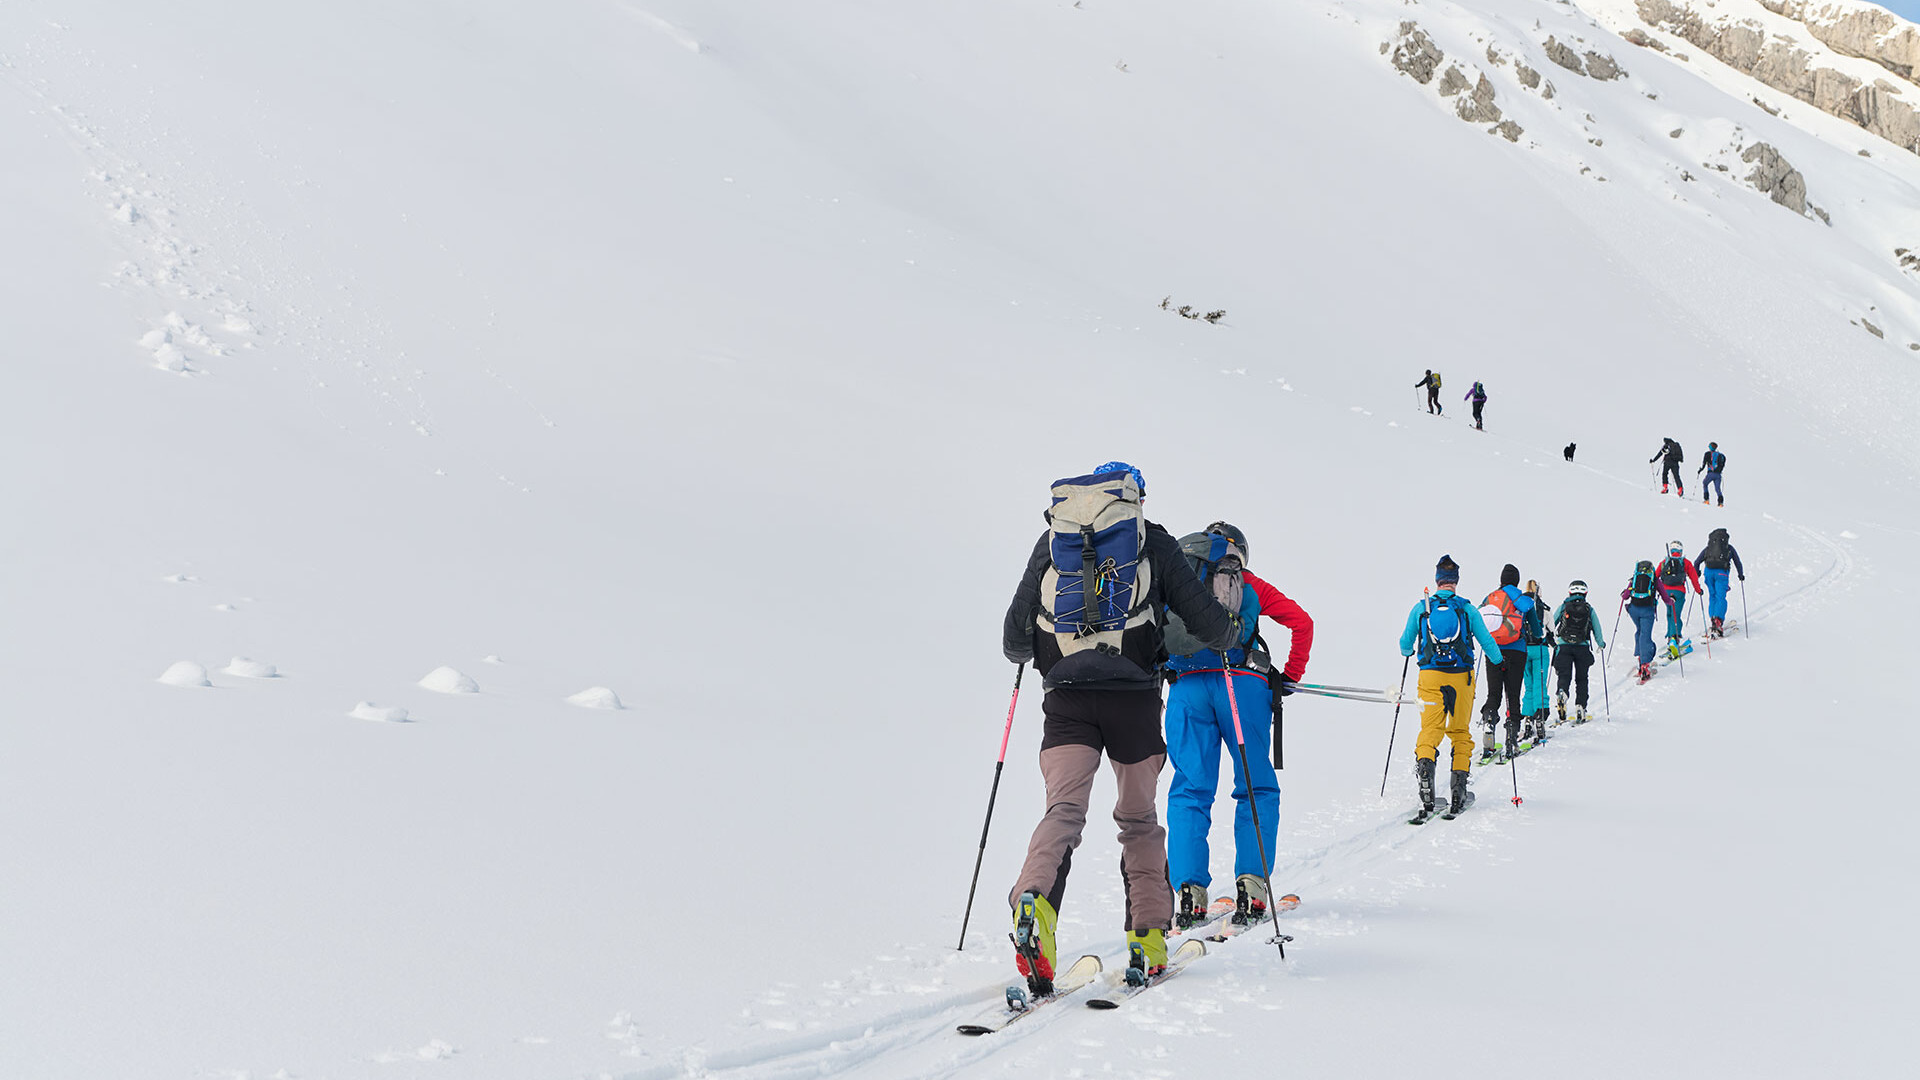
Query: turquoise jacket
{"type": "Point", "coordinates": [1410, 637]}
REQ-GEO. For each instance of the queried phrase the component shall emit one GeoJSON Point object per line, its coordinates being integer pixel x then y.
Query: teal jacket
{"type": "Point", "coordinates": [1410, 637]}
{"type": "Point", "coordinates": [1593, 624]}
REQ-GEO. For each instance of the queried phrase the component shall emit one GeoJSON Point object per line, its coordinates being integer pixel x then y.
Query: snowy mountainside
{"type": "Point", "coordinates": [463, 359]}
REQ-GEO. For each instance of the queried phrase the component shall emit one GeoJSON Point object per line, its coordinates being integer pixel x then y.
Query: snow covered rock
{"type": "Point", "coordinates": [596, 697]}
{"type": "Point", "coordinates": [250, 669]}
{"type": "Point", "coordinates": [185, 673]}
{"type": "Point", "coordinates": [1776, 177]}
{"type": "Point", "coordinates": [448, 681]}
{"type": "Point", "coordinates": [381, 714]}
{"type": "Point", "coordinates": [1415, 53]}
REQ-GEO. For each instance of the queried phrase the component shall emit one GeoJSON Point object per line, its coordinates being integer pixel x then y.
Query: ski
{"type": "Point", "coordinates": [1466, 805]}
{"type": "Point", "coordinates": [1665, 656]}
{"type": "Point", "coordinates": [1020, 1005]}
{"type": "Point", "coordinates": [1233, 929]}
{"type": "Point", "coordinates": [1190, 950]}
{"type": "Point", "coordinates": [1219, 909]}
{"type": "Point", "coordinates": [1442, 809]}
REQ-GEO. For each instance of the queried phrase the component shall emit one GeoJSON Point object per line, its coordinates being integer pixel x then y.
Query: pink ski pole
{"type": "Point", "coordinates": [992, 795]}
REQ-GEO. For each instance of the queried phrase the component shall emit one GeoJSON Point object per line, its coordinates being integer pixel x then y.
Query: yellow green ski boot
{"type": "Point", "coordinates": [1033, 948]}
{"type": "Point", "coordinates": [1146, 955]}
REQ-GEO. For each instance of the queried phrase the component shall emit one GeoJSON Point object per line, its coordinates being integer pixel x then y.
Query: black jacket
{"type": "Point", "coordinates": [1174, 585]}
{"type": "Point", "coordinates": [1672, 452]}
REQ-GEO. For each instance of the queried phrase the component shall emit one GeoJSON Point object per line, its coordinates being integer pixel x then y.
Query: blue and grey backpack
{"type": "Point", "coordinates": [1095, 596]}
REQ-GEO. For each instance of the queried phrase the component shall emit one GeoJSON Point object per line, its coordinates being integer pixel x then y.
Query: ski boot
{"type": "Point", "coordinates": [1512, 749]}
{"type": "Point", "coordinates": [1540, 727]}
{"type": "Point", "coordinates": [1033, 948]}
{"type": "Point", "coordinates": [1487, 746]}
{"type": "Point", "coordinates": [1560, 705]}
{"type": "Point", "coordinates": [1146, 955]}
{"type": "Point", "coordinates": [1423, 769]}
{"type": "Point", "coordinates": [1663, 489]}
{"type": "Point", "coordinates": [1673, 648]}
{"type": "Point", "coordinates": [1703, 499]}
{"type": "Point", "coordinates": [1719, 626]}
{"type": "Point", "coordinates": [1580, 714]}
{"type": "Point", "coordinates": [1646, 672]}
{"type": "Point", "coordinates": [1459, 802]}
{"type": "Point", "coordinates": [1191, 910]}
{"type": "Point", "coordinates": [1250, 901]}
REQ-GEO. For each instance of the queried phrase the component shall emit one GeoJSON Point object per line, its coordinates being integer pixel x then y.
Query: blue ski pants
{"type": "Point", "coordinates": [1536, 697]}
{"type": "Point", "coordinates": [1199, 722]}
{"type": "Point", "coordinates": [1676, 601]}
{"type": "Point", "coordinates": [1713, 485]}
{"type": "Point", "coordinates": [1642, 631]}
{"type": "Point", "coordinates": [1716, 592]}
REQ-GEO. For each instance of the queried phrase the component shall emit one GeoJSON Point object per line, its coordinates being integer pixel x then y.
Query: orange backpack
{"type": "Point", "coordinates": [1502, 618]}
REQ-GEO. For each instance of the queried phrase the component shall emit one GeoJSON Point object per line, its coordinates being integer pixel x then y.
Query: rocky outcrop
{"type": "Point", "coordinates": [1637, 36]}
{"type": "Point", "coordinates": [1478, 107]}
{"type": "Point", "coordinates": [1602, 67]}
{"type": "Point", "coordinates": [1560, 53]}
{"type": "Point", "coordinates": [1452, 81]}
{"type": "Point", "coordinates": [1416, 54]}
{"type": "Point", "coordinates": [1880, 106]}
{"type": "Point", "coordinates": [1776, 177]}
{"type": "Point", "coordinates": [1867, 32]}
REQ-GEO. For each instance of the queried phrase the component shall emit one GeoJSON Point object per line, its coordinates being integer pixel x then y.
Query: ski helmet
{"type": "Point", "coordinates": [1235, 537]}
{"type": "Point", "coordinates": [1577, 588]}
{"type": "Point", "coordinates": [1139, 481]}
{"type": "Point", "coordinates": [1675, 547]}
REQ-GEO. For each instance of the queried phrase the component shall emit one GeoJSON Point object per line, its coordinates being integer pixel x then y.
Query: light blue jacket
{"type": "Point", "coordinates": [1477, 626]}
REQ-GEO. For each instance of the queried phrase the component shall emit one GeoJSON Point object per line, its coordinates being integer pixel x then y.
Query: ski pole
{"type": "Point", "coordinates": [1512, 763]}
{"type": "Point", "coordinates": [1402, 693]}
{"type": "Point", "coordinates": [1616, 623]}
{"type": "Point", "coordinates": [1348, 689]}
{"type": "Point", "coordinates": [1005, 736]}
{"type": "Point", "coordinates": [1604, 692]}
{"type": "Point", "coordinates": [1266, 868]}
{"type": "Point", "coordinates": [1743, 607]}
{"type": "Point", "coordinates": [1377, 697]}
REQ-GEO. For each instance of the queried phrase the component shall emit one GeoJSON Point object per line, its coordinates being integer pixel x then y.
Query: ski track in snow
{"type": "Point", "coordinates": [1377, 863]}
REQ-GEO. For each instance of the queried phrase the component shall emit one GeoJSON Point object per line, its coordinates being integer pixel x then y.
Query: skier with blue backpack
{"type": "Point", "coordinates": [1641, 599]}
{"type": "Point", "coordinates": [1443, 628]}
{"type": "Point", "coordinates": [1535, 700]}
{"type": "Point", "coordinates": [1089, 613]}
{"type": "Point", "coordinates": [1713, 464]}
{"type": "Point", "coordinates": [1200, 719]}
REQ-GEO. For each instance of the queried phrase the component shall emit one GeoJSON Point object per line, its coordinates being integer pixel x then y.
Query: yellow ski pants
{"type": "Point", "coordinates": [1446, 709]}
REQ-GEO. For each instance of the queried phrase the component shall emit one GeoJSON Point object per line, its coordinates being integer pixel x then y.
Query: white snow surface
{"type": "Point", "coordinates": [678, 347]}
{"type": "Point", "coordinates": [446, 680]}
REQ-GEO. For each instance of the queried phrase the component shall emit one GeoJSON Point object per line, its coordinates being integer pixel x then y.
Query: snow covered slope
{"type": "Point", "coordinates": [458, 359]}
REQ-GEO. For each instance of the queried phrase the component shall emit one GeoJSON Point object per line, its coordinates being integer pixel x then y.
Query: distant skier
{"type": "Point", "coordinates": [1432, 383]}
{"type": "Point", "coordinates": [1477, 395]}
{"type": "Point", "coordinates": [1503, 611]}
{"type": "Point", "coordinates": [1675, 571]}
{"type": "Point", "coordinates": [1444, 627]}
{"type": "Point", "coordinates": [1534, 699]}
{"type": "Point", "coordinates": [1713, 464]}
{"type": "Point", "coordinates": [1098, 644]}
{"type": "Point", "coordinates": [1674, 456]}
{"type": "Point", "coordinates": [1573, 625]}
{"type": "Point", "coordinates": [1641, 598]}
{"type": "Point", "coordinates": [1715, 559]}
{"type": "Point", "coordinates": [1200, 721]}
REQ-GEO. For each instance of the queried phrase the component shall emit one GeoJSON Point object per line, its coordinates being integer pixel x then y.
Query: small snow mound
{"type": "Point", "coordinates": [153, 339]}
{"type": "Point", "coordinates": [180, 579]}
{"type": "Point", "coordinates": [1849, 534]}
{"type": "Point", "coordinates": [169, 358]}
{"type": "Point", "coordinates": [234, 324]}
{"type": "Point", "coordinates": [185, 673]}
{"type": "Point", "coordinates": [436, 1050]}
{"type": "Point", "coordinates": [250, 669]}
{"type": "Point", "coordinates": [224, 607]}
{"type": "Point", "coordinates": [448, 681]}
{"type": "Point", "coordinates": [493, 658]}
{"type": "Point", "coordinates": [380, 714]}
{"type": "Point", "coordinates": [596, 697]}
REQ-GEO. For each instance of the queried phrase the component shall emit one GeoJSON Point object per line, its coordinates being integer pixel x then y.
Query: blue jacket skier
{"type": "Point", "coordinates": [1713, 464]}
{"type": "Point", "coordinates": [1443, 626]}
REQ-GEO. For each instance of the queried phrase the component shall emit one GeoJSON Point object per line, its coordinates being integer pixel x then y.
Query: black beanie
{"type": "Point", "coordinates": [1446, 571]}
{"type": "Point", "coordinates": [1509, 575]}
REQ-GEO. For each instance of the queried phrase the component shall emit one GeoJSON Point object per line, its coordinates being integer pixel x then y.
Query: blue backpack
{"type": "Point", "coordinates": [1096, 594]}
{"type": "Point", "coordinates": [1443, 634]}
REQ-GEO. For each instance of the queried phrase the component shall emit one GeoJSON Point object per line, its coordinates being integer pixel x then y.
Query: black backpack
{"type": "Point", "coordinates": [1719, 553]}
{"type": "Point", "coordinates": [1673, 572]}
{"type": "Point", "coordinates": [1576, 621]}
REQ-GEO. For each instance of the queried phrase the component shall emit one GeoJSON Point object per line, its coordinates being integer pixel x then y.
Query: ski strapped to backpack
{"type": "Point", "coordinates": [1096, 607]}
{"type": "Point", "coordinates": [1673, 572]}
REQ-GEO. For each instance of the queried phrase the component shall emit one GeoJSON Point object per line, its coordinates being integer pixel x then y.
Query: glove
{"type": "Point", "coordinates": [1743, 577]}
{"type": "Point", "coordinates": [1287, 685]}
